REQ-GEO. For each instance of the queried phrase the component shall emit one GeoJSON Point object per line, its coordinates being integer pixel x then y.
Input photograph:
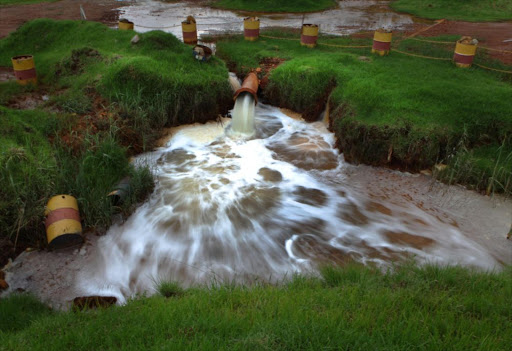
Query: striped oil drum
{"type": "Point", "coordinates": [382, 42]}
{"type": "Point", "coordinates": [189, 29]}
{"type": "Point", "coordinates": [124, 24]}
{"type": "Point", "coordinates": [24, 69]}
{"type": "Point", "coordinates": [309, 35]}
{"type": "Point", "coordinates": [63, 227]}
{"type": "Point", "coordinates": [464, 54]}
{"type": "Point", "coordinates": [251, 28]}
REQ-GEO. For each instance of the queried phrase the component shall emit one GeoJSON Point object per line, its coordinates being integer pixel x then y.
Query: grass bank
{"type": "Point", "coordinates": [107, 99]}
{"type": "Point", "coordinates": [275, 6]}
{"type": "Point", "coordinates": [463, 10]}
{"type": "Point", "coordinates": [354, 308]}
{"type": "Point", "coordinates": [401, 111]}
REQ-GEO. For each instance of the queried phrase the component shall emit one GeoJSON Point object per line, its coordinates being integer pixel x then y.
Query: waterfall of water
{"type": "Point", "coordinates": [243, 115]}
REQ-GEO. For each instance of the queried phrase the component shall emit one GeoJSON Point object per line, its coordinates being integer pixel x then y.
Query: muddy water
{"type": "Point", "coordinates": [349, 17]}
{"type": "Point", "coordinates": [282, 202]}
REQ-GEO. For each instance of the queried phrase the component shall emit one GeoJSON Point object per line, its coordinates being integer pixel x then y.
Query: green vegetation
{"type": "Point", "coordinates": [22, 2]}
{"type": "Point", "coordinates": [170, 289]}
{"type": "Point", "coordinates": [353, 308]}
{"type": "Point", "coordinates": [275, 6]}
{"type": "Point", "coordinates": [397, 110]}
{"type": "Point", "coordinates": [108, 98]}
{"type": "Point", "coordinates": [464, 10]}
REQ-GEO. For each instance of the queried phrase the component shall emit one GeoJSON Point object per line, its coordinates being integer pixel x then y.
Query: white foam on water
{"type": "Point", "coordinates": [227, 209]}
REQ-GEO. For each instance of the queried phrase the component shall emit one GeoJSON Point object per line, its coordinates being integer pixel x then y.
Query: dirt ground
{"type": "Point", "coordinates": [104, 11]}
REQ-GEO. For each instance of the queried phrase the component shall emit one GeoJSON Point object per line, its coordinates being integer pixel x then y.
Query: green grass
{"type": "Point", "coordinates": [159, 73]}
{"type": "Point", "coordinates": [32, 169]}
{"type": "Point", "coordinates": [464, 10]}
{"type": "Point", "coordinates": [275, 6]}
{"type": "Point", "coordinates": [417, 108]}
{"type": "Point", "coordinates": [81, 65]}
{"type": "Point", "coordinates": [22, 2]}
{"type": "Point", "coordinates": [354, 308]}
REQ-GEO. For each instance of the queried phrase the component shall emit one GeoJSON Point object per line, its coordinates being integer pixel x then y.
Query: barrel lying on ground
{"type": "Point", "coordinates": [24, 69]}
{"type": "Point", "coordinates": [63, 227]}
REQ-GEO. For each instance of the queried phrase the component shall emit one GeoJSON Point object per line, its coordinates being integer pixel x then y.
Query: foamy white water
{"type": "Point", "coordinates": [228, 209]}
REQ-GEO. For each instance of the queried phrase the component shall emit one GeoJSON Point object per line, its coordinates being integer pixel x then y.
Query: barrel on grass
{"type": "Point", "coordinates": [465, 51]}
{"type": "Point", "coordinates": [63, 227]}
{"type": "Point", "coordinates": [382, 42]}
{"type": "Point", "coordinates": [24, 69]}
{"type": "Point", "coordinates": [309, 35]}
{"type": "Point", "coordinates": [189, 29]}
{"type": "Point", "coordinates": [251, 28]}
{"type": "Point", "coordinates": [124, 24]}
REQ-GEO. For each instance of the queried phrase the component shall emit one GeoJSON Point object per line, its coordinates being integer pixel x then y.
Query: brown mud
{"type": "Point", "coordinates": [104, 11]}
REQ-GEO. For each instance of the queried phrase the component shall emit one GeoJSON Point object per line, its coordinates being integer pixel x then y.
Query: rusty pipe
{"type": "Point", "coordinates": [250, 85]}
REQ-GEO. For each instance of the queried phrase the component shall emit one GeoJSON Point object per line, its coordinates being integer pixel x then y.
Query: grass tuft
{"type": "Point", "coordinates": [170, 289]}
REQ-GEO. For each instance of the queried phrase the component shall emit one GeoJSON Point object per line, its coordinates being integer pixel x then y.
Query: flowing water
{"type": "Point", "coordinates": [230, 209]}
{"type": "Point", "coordinates": [349, 17]}
{"type": "Point", "coordinates": [243, 115]}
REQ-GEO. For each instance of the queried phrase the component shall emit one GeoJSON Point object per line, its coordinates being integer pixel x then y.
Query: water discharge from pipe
{"type": "Point", "coordinates": [243, 115]}
{"type": "Point", "coordinates": [229, 209]}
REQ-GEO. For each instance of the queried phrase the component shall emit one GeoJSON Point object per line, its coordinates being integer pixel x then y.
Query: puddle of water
{"type": "Point", "coordinates": [349, 17]}
{"type": "Point", "coordinates": [227, 209]}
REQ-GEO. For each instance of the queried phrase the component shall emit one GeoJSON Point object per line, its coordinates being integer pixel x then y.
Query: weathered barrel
{"type": "Point", "coordinates": [465, 51]}
{"type": "Point", "coordinates": [202, 53]}
{"type": "Point", "coordinates": [382, 42]}
{"type": "Point", "coordinates": [63, 227]}
{"type": "Point", "coordinates": [251, 28]}
{"type": "Point", "coordinates": [189, 29]}
{"type": "Point", "coordinates": [309, 35]}
{"type": "Point", "coordinates": [121, 191]}
{"type": "Point", "coordinates": [124, 24]}
{"type": "Point", "coordinates": [249, 85]}
{"type": "Point", "coordinates": [24, 69]}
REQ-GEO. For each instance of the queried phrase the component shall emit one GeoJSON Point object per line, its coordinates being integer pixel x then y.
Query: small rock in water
{"type": "Point", "coordinates": [135, 39]}
{"type": "Point", "coordinates": [90, 302]}
{"type": "Point", "coordinates": [270, 175]}
{"type": "Point", "coordinates": [83, 251]}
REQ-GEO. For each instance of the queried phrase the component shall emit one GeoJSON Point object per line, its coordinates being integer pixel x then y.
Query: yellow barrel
{"type": "Point", "coordinates": [251, 28]}
{"type": "Point", "coordinates": [382, 42]}
{"type": "Point", "coordinates": [189, 31]}
{"type": "Point", "coordinates": [465, 52]}
{"type": "Point", "coordinates": [24, 69]}
{"type": "Point", "coordinates": [63, 227]}
{"type": "Point", "coordinates": [124, 24]}
{"type": "Point", "coordinates": [309, 35]}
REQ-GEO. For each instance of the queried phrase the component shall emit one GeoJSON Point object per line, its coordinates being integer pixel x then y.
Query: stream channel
{"type": "Point", "coordinates": [232, 209]}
